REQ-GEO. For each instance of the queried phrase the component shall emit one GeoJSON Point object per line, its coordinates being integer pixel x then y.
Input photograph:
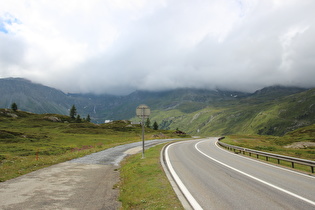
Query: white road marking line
{"type": "Point", "coordinates": [180, 184]}
{"type": "Point", "coordinates": [255, 178]}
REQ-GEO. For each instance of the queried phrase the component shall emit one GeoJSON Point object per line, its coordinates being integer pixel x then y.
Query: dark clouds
{"type": "Point", "coordinates": [106, 47]}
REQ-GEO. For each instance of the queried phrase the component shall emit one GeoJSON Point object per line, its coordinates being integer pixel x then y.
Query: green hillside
{"type": "Point", "coordinates": [265, 115]}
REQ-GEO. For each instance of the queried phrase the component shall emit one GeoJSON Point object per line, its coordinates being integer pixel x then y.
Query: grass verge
{"type": "Point", "coordinates": [276, 145]}
{"type": "Point", "coordinates": [144, 184]}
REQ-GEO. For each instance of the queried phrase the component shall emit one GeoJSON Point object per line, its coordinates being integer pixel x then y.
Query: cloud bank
{"type": "Point", "coordinates": [120, 46]}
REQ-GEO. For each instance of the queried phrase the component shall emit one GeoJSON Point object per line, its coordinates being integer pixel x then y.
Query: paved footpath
{"type": "Point", "coordinates": [83, 183]}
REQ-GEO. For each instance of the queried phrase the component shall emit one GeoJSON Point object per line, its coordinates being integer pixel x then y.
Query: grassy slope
{"type": "Point", "coordinates": [246, 116]}
{"type": "Point", "coordinates": [31, 141]}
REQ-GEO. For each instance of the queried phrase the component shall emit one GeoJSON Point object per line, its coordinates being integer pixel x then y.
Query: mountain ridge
{"type": "Point", "coordinates": [197, 111]}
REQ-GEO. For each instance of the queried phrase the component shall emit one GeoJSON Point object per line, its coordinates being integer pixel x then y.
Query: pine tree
{"type": "Point", "coordinates": [14, 107]}
{"type": "Point", "coordinates": [73, 112]}
{"type": "Point", "coordinates": [88, 118]}
{"type": "Point", "coordinates": [148, 123]}
{"type": "Point", "coordinates": [155, 126]}
{"type": "Point", "coordinates": [78, 120]}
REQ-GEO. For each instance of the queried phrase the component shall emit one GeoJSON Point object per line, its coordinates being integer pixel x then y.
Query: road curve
{"type": "Point", "coordinates": [213, 178]}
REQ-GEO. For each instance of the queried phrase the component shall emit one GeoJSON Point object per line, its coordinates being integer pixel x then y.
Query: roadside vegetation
{"type": "Point", "coordinates": [144, 184]}
{"type": "Point", "coordinates": [299, 143]}
{"type": "Point", "coordinates": [29, 141]}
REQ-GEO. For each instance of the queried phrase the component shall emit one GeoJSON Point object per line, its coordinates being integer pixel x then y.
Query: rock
{"type": "Point", "coordinates": [301, 145]}
{"type": "Point", "coordinates": [12, 115]}
{"type": "Point", "coordinates": [180, 132]}
{"type": "Point", "coordinates": [53, 118]}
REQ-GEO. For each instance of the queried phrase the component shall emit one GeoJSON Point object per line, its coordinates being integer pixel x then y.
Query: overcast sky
{"type": "Point", "coordinates": [118, 46]}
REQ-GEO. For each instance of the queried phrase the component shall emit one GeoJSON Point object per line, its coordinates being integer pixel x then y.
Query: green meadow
{"type": "Point", "coordinates": [32, 141]}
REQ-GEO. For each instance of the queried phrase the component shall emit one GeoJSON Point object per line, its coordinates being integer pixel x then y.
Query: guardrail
{"type": "Point", "coordinates": [267, 155]}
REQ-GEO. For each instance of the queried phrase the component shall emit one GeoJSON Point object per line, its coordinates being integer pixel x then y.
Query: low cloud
{"type": "Point", "coordinates": [106, 47]}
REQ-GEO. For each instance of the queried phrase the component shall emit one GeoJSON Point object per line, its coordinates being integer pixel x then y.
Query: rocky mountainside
{"type": "Point", "coordinates": [272, 110]}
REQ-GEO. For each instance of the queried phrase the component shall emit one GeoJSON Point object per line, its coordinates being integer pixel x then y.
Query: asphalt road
{"type": "Point", "coordinates": [217, 179]}
{"type": "Point", "coordinates": [83, 183]}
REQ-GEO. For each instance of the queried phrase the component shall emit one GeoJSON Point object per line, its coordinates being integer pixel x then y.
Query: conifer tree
{"type": "Point", "coordinates": [73, 112]}
{"type": "Point", "coordinates": [155, 126]}
{"type": "Point", "coordinates": [148, 123]}
{"type": "Point", "coordinates": [78, 120]}
{"type": "Point", "coordinates": [14, 107]}
{"type": "Point", "coordinates": [88, 118]}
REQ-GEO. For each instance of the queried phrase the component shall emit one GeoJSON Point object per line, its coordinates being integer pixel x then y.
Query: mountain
{"type": "Point", "coordinates": [40, 99]}
{"type": "Point", "coordinates": [272, 110]}
{"type": "Point", "coordinates": [32, 97]}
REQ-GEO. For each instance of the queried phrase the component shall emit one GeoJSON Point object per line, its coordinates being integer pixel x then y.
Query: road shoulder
{"type": "Point", "coordinates": [65, 185]}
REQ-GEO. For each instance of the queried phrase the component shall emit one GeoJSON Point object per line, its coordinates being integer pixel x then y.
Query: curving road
{"type": "Point", "coordinates": [212, 178]}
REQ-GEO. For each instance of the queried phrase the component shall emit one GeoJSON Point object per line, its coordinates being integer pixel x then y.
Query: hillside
{"type": "Point", "coordinates": [32, 97]}
{"type": "Point", "coordinates": [37, 98]}
{"type": "Point", "coordinates": [249, 115]}
{"type": "Point", "coordinates": [272, 110]}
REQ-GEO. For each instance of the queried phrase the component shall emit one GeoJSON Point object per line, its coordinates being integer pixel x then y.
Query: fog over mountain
{"type": "Point", "coordinates": [120, 46]}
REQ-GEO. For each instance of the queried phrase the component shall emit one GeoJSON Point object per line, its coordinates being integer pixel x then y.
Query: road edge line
{"type": "Point", "coordinates": [187, 200]}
